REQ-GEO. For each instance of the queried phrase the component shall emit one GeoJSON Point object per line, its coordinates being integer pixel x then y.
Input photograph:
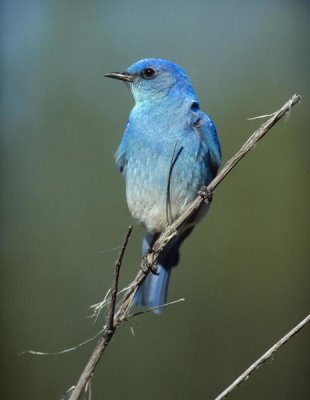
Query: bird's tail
{"type": "Point", "coordinates": [153, 291]}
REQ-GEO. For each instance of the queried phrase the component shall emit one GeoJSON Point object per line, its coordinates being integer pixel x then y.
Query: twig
{"type": "Point", "coordinates": [260, 117]}
{"type": "Point", "coordinates": [117, 267]}
{"type": "Point", "coordinates": [67, 350]}
{"type": "Point", "coordinates": [155, 308]}
{"type": "Point", "coordinates": [168, 203]}
{"type": "Point", "coordinates": [109, 328]}
{"type": "Point", "coordinates": [245, 375]}
{"type": "Point", "coordinates": [149, 260]}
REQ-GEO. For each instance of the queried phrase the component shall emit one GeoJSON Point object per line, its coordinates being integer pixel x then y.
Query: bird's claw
{"type": "Point", "coordinates": [146, 266]}
{"type": "Point", "coordinates": [205, 193]}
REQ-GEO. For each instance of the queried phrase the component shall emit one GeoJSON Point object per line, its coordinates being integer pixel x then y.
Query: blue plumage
{"type": "Point", "coordinates": [170, 149]}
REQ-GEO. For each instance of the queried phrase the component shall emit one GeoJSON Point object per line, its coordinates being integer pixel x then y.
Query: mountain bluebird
{"type": "Point", "coordinates": [170, 149]}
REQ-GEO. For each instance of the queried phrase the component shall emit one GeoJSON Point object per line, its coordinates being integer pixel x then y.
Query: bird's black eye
{"type": "Point", "coordinates": [148, 73]}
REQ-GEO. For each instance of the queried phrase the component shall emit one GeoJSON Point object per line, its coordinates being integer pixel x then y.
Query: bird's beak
{"type": "Point", "coordinates": [123, 76]}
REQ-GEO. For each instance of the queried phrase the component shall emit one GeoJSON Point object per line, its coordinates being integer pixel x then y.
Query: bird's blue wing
{"type": "Point", "coordinates": [207, 131]}
{"type": "Point", "coordinates": [120, 155]}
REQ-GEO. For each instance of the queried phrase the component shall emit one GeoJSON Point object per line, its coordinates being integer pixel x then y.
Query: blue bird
{"type": "Point", "coordinates": [170, 149]}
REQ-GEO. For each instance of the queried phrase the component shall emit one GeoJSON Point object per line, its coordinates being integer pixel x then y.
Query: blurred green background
{"type": "Point", "coordinates": [244, 271]}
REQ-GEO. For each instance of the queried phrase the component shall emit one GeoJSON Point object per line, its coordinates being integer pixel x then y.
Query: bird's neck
{"type": "Point", "coordinates": [161, 115]}
{"type": "Point", "coordinates": [170, 104]}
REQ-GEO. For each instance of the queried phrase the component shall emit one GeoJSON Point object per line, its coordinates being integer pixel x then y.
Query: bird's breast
{"type": "Point", "coordinates": [163, 176]}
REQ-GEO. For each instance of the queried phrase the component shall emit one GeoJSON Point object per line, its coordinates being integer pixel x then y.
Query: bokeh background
{"type": "Point", "coordinates": [244, 271]}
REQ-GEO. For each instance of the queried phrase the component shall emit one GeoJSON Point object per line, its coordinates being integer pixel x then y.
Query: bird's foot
{"type": "Point", "coordinates": [205, 193]}
{"type": "Point", "coordinates": [147, 266]}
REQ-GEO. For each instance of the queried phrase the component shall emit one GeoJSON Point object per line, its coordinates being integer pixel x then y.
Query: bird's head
{"type": "Point", "coordinates": [153, 78]}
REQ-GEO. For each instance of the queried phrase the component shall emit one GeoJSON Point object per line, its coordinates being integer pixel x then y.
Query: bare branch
{"type": "Point", "coordinates": [109, 328]}
{"type": "Point", "coordinates": [269, 353]}
{"type": "Point", "coordinates": [117, 267]}
{"type": "Point", "coordinates": [149, 260]}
